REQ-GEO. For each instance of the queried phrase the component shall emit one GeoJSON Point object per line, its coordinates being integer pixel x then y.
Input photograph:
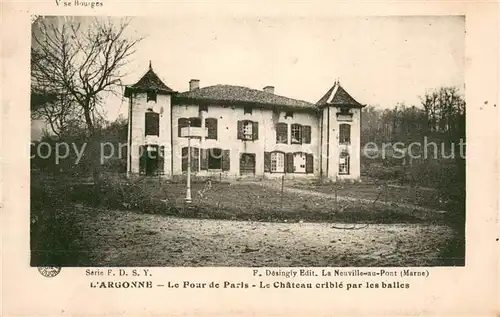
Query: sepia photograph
{"type": "Point", "coordinates": [248, 142]}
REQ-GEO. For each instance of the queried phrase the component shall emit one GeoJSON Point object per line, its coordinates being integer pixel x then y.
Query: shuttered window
{"type": "Point", "coordinates": [267, 162]}
{"type": "Point", "coordinates": [344, 163]}
{"type": "Point", "coordinates": [277, 162]}
{"type": "Point", "coordinates": [345, 133]}
{"type": "Point", "coordinates": [142, 159]}
{"type": "Point", "coordinates": [214, 159]}
{"type": "Point", "coordinates": [203, 159]}
{"type": "Point", "coordinates": [211, 125]}
{"type": "Point", "coordinates": [309, 163]}
{"type": "Point", "coordinates": [289, 168]}
{"type": "Point", "coordinates": [161, 160]}
{"type": "Point", "coordinates": [306, 134]}
{"type": "Point", "coordinates": [152, 123]}
{"type": "Point", "coordinates": [248, 130]}
{"type": "Point", "coordinates": [226, 165]}
{"type": "Point", "coordinates": [182, 123]}
{"type": "Point", "coordinates": [296, 133]}
{"type": "Point", "coordinates": [195, 159]}
{"type": "Point", "coordinates": [282, 133]}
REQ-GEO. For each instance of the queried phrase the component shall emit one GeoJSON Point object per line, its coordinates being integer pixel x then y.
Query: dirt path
{"type": "Point", "coordinates": [277, 186]}
{"type": "Point", "coordinates": [126, 238]}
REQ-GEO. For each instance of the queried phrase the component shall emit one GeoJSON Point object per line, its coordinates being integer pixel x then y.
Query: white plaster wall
{"type": "Point", "coordinates": [227, 136]}
{"type": "Point", "coordinates": [139, 108]}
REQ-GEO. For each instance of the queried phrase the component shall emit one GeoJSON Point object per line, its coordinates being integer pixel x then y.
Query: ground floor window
{"type": "Point", "coordinates": [277, 162]}
{"type": "Point", "coordinates": [214, 159]}
{"type": "Point", "coordinates": [195, 159]}
{"type": "Point", "coordinates": [344, 163]}
{"type": "Point", "coordinates": [299, 162]}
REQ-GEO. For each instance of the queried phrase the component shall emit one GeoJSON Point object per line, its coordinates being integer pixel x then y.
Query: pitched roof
{"type": "Point", "coordinates": [238, 94]}
{"type": "Point", "coordinates": [337, 96]}
{"type": "Point", "coordinates": [151, 81]}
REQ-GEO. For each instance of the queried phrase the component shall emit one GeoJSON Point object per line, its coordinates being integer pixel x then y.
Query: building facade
{"type": "Point", "coordinates": [236, 132]}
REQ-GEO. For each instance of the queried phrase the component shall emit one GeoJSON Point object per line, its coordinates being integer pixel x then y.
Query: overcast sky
{"type": "Point", "coordinates": [379, 60]}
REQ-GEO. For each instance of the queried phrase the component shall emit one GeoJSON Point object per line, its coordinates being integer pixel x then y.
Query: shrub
{"type": "Point", "coordinates": [56, 234]}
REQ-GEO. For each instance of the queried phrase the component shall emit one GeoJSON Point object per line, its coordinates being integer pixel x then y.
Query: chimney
{"type": "Point", "coordinates": [194, 84]}
{"type": "Point", "coordinates": [269, 89]}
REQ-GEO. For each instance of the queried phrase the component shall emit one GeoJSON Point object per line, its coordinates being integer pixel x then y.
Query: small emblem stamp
{"type": "Point", "coordinates": [49, 271]}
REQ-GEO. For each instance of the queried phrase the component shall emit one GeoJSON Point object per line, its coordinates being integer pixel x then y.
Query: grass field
{"type": "Point", "coordinates": [146, 222]}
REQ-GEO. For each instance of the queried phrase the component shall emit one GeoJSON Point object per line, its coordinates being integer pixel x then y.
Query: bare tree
{"type": "Point", "coordinates": [78, 64]}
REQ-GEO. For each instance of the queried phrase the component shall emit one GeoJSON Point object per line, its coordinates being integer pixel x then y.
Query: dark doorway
{"type": "Point", "coordinates": [247, 164]}
{"type": "Point", "coordinates": [215, 159]}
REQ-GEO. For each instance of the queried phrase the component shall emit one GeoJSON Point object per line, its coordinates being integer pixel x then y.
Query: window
{"type": "Point", "coordinates": [182, 123]}
{"type": "Point", "coordinates": [211, 125]}
{"type": "Point", "coordinates": [152, 123]}
{"type": "Point", "coordinates": [288, 114]}
{"type": "Point", "coordinates": [299, 162]}
{"type": "Point", "coordinates": [344, 111]}
{"type": "Point", "coordinates": [296, 134]}
{"type": "Point", "coordinates": [203, 108]}
{"type": "Point", "coordinates": [306, 134]}
{"type": "Point", "coordinates": [282, 133]}
{"type": "Point", "coordinates": [248, 130]}
{"type": "Point", "coordinates": [195, 159]}
{"type": "Point", "coordinates": [214, 159]}
{"type": "Point", "coordinates": [186, 122]}
{"type": "Point", "coordinates": [247, 109]}
{"type": "Point", "coordinates": [344, 163]}
{"type": "Point", "coordinates": [345, 133]}
{"type": "Point", "coordinates": [277, 162]}
{"type": "Point", "coordinates": [195, 122]}
{"type": "Point", "coordinates": [151, 96]}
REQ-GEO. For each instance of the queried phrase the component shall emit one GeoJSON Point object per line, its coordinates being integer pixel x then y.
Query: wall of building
{"type": "Point", "coordinates": [139, 108]}
{"type": "Point", "coordinates": [227, 118]}
{"type": "Point", "coordinates": [332, 152]}
{"type": "Point", "coordinates": [324, 127]}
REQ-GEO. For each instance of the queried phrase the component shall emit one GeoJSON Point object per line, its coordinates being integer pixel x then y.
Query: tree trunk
{"type": "Point", "coordinates": [93, 145]}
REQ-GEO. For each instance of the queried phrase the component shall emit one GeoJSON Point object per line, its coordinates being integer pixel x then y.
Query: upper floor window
{"type": "Point", "coordinates": [344, 110]}
{"type": "Point", "coordinates": [282, 133]}
{"type": "Point", "coordinates": [296, 134]}
{"type": "Point", "coordinates": [288, 114]}
{"type": "Point", "coordinates": [152, 123]}
{"type": "Point", "coordinates": [151, 96]}
{"type": "Point", "coordinates": [186, 122]}
{"type": "Point", "coordinates": [211, 125]}
{"type": "Point", "coordinates": [345, 133]}
{"type": "Point", "coordinates": [203, 108]}
{"type": "Point", "coordinates": [248, 130]}
{"type": "Point", "coordinates": [306, 134]}
{"type": "Point", "coordinates": [195, 122]}
{"type": "Point", "coordinates": [247, 109]}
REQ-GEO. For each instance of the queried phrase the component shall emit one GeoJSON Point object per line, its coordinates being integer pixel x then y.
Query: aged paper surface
{"type": "Point", "coordinates": [190, 266]}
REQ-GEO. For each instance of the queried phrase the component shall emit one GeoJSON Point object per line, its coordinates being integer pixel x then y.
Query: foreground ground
{"type": "Point", "coordinates": [146, 223]}
{"type": "Point", "coordinates": [126, 238]}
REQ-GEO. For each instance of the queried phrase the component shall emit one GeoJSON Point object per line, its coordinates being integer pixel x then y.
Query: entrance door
{"type": "Point", "coordinates": [151, 160]}
{"type": "Point", "coordinates": [247, 164]}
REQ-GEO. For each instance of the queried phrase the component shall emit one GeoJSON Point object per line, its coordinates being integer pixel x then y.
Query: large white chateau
{"type": "Point", "coordinates": [241, 132]}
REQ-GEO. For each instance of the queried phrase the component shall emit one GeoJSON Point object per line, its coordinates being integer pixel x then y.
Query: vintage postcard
{"type": "Point", "coordinates": [250, 159]}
